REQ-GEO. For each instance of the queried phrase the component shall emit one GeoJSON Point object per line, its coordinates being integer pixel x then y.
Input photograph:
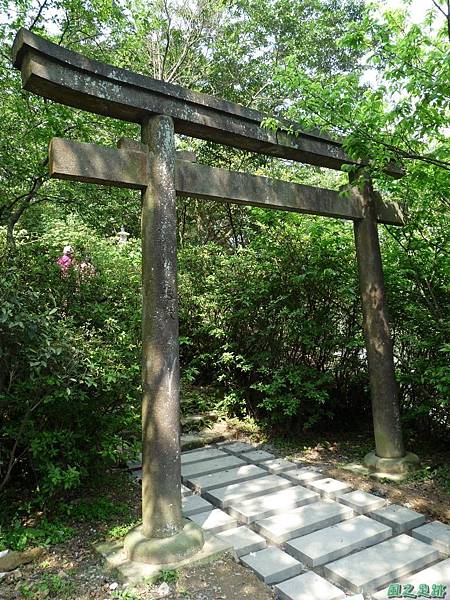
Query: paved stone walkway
{"type": "Point", "coordinates": [310, 536]}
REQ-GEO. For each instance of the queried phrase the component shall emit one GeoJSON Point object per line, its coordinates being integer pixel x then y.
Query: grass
{"type": "Point", "coordinates": [49, 586]}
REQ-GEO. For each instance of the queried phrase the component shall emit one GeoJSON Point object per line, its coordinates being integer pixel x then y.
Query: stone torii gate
{"type": "Point", "coordinates": [161, 174]}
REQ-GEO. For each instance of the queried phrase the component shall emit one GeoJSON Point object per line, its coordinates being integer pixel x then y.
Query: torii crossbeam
{"type": "Point", "coordinates": [152, 166]}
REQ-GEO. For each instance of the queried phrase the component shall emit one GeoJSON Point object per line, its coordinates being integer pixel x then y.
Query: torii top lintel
{"type": "Point", "coordinates": [72, 79]}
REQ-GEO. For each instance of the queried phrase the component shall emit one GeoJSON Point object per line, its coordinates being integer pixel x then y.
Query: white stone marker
{"type": "Point", "coordinates": [362, 502]}
{"type": "Point", "coordinates": [437, 534]}
{"type": "Point", "coordinates": [400, 518]}
{"type": "Point", "coordinates": [308, 586]}
{"type": "Point", "coordinates": [278, 465]}
{"type": "Point", "coordinates": [199, 455]}
{"type": "Point", "coordinates": [223, 478]}
{"type": "Point", "coordinates": [192, 505]}
{"type": "Point", "coordinates": [373, 568]}
{"type": "Point", "coordinates": [333, 542]}
{"type": "Point", "coordinates": [214, 520]}
{"type": "Point", "coordinates": [210, 466]}
{"type": "Point", "coordinates": [238, 447]}
{"type": "Point", "coordinates": [437, 574]}
{"type": "Point", "coordinates": [265, 506]}
{"type": "Point", "coordinates": [302, 476]}
{"type": "Point", "coordinates": [301, 521]}
{"type": "Point", "coordinates": [329, 488]}
{"type": "Point", "coordinates": [256, 456]}
{"type": "Point", "coordinates": [243, 540]}
{"type": "Point", "coordinates": [272, 565]}
{"type": "Point", "coordinates": [234, 492]}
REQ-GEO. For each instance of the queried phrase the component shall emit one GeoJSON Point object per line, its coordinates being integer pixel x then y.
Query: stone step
{"type": "Point", "coordinates": [329, 488]}
{"type": "Point", "coordinates": [436, 534]}
{"type": "Point", "coordinates": [210, 466]}
{"type": "Point", "coordinates": [302, 476]}
{"type": "Point", "coordinates": [308, 586]}
{"type": "Point", "coordinates": [185, 491]}
{"type": "Point", "coordinates": [333, 542]}
{"type": "Point", "coordinates": [233, 493]}
{"type": "Point", "coordinates": [214, 520]}
{"type": "Point", "coordinates": [373, 568]}
{"type": "Point", "coordinates": [301, 521]}
{"type": "Point", "coordinates": [194, 456]}
{"type": "Point", "coordinates": [204, 483]}
{"type": "Point", "coordinates": [362, 502]}
{"type": "Point", "coordinates": [278, 465]}
{"type": "Point", "coordinates": [194, 504]}
{"type": "Point", "coordinates": [438, 574]}
{"type": "Point", "coordinates": [243, 540]}
{"type": "Point", "coordinates": [256, 456]}
{"type": "Point", "coordinates": [255, 509]}
{"type": "Point", "coordinates": [237, 447]}
{"type": "Point", "coordinates": [400, 518]}
{"type": "Point", "coordinates": [272, 565]}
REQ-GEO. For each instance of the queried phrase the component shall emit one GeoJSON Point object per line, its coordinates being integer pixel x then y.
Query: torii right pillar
{"type": "Point", "coordinates": [389, 457]}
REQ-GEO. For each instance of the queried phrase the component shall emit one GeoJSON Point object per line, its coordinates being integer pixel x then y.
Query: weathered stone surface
{"type": "Point", "coordinates": [233, 493]}
{"type": "Point", "coordinates": [333, 542]}
{"type": "Point", "coordinates": [256, 456]}
{"type": "Point", "coordinates": [302, 475]}
{"type": "Point", "coordinates": [303, 520]}
{"type": "Point", "coordinates": [238, 447]}
{"type": "Point", "coordinates": [362, 502]}
{"type": "Point", "coordinates": [397, 466]}
{"type": "Point", "coordinates": [272, 565]}
{"type": "Point", "coordinates": [267, 505]}
{"type": "Point", "coordinates": [200, 455]}
{"type": "Point", "coordinates": [210, 466]}
{"type": "Point", "coordinates": [329, 488]}
{"type": "Point", "coordinates": [204, 483]}
{"type": "Point", "coordinates": [243, 540]}
{"type": "Point", "coordinates": [436, 534]}
{"type": "Point", "coordinates": [374, 567]}
{"type": "Point", "coordinates": [62, 75]}
{"type": "Point", "coordinates": [308, 586]}
{"type": "Point", "coordinates": [194, 504]}
{"type": "Point", "coordinates": [400, 518]}
{"type": "Point", "coordinates": [278, 465]}
{"type": "Point", "coordinates": [437, 574]}
{"type": "Point", "coordinates": [214, 520]}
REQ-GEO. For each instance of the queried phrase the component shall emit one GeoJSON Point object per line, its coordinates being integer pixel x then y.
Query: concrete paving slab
{"type": "Point", "coordinates": [370, 569]}
{"type": "Point", "coordinates": [199, 455]}
{"type": "Point", "coordinates": [185, 491]}
{"type": "Point", "coordinates": [302, 475]}
{"type": "Point", "coordinates": [229, 494]}
{"type": "Point", "coordinates": [213, 465]}
{"type": "Point", "coordinates": [214, 520]}
{"type": "Point", "coordinates": [204, 483]}
{"type": "Point", "coordinates": [308, 586]}
{"type": "Point", "coordinates": [256, 456]}
{"type": "Point", "coordinates": [303, 520]}
{"type": "Point", "coordinates": [194, 504]}
{"type": "Point", "coordinates": [243, 540]}
{"type": "Point", "coordinates": [261, 507]}
{"type": "Point", "coordinates": [334, 542]}
{"type": "Point", "coordinates": [362, 502]}
{"type": "Point", "coordinates": [329, 487]}
{"type": "Point", "coordinates": [278, 465]}
{"type": "Point", "coordinates": [272, 565]}
{"type": "Point", "coordinates": [400, 518]}
{"type": "Point", "coordinates": [436, 534]}
{"type": "Point", "coordinates": [437, 574]}
{"type": "Point", "coordinates": [238, 447]}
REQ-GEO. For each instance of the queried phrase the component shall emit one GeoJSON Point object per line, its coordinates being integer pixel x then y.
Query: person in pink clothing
{"type": "Point", "coordinates": [66, 261]}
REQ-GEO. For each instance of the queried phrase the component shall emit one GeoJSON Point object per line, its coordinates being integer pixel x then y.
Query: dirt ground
{"type": "Point", "coordinates": [73, 570]}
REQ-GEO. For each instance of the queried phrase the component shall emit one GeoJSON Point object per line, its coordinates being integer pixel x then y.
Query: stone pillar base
{"type": "Point", "coordinates": [398, 466]}
{"type": "Point", "coordinates": [160, 551]}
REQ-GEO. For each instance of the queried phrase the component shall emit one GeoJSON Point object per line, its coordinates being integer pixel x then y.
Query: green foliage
{"type": "Point", "coordinates": [168, 576]}
{"type": "Point", "coordinates": [16, 536]}
{"type": "Point", "coordinates": [50, 585]}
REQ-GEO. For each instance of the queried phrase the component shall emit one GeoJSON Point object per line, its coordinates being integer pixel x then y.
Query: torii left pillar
{"type": "Point", "coordinates": [164, 536]}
